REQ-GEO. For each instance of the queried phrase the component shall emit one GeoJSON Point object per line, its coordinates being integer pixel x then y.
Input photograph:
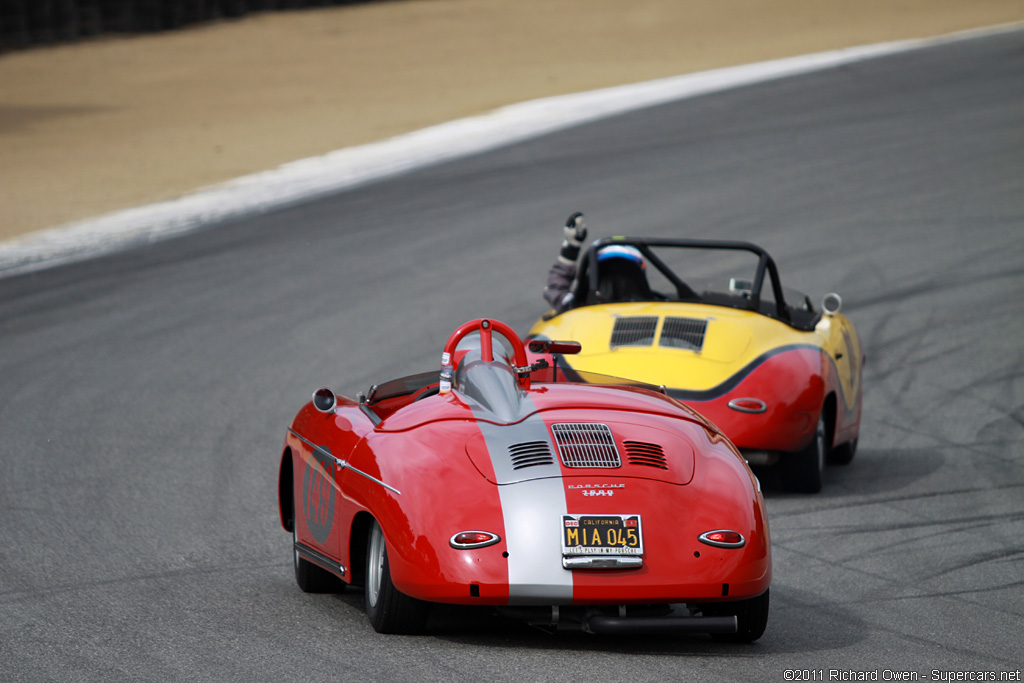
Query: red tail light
{"type": "Point", "coordinates": [723, 538]}
{"type": "Point", "coordinates": [467, 540]}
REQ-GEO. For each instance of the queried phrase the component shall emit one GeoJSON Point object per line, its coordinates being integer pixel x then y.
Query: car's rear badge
{"type": "Point", "coordinates": [596, 489]}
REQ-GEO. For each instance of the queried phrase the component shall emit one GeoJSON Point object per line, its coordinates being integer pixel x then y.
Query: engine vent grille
{"type": "Point", "coordinates": [634, 331]}
{"type": "Point", "coordinates": [646, 454]}
{"type": "Point", "coordinates": [530, 454]}
{"type": "Point", "coordinates": [586, 444]}
{"type": "Point", "coordinates": [684, 333]}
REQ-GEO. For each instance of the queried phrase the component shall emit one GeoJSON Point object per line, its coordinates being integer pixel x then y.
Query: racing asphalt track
{"type": "Point", "coordinates": [146, 394]}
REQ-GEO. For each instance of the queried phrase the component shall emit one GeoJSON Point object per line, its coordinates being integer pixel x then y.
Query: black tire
{"type": "Point", "coordinates": [388, 609]}
{"type": "Point", "coordinates": [803, 471]}
{"type": "Point", "coordinates": [310, 577]}
{"type": "Point", "coordinates": [843, 453]}
{"type": "Point", "coordinates": [751, 616]}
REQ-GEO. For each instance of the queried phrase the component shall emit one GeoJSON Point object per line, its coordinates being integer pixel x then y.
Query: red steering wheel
{"type": "Point", "coordinates": [487, 328]}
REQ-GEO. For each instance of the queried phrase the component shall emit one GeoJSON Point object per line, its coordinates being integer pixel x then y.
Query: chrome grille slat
{"type": "Point", "coordinates": [586, 444]}
{"type": "Point", "coordinates": [683, 333]}
{"type": "Point", "coordinates": [530, 454]}
{"type": "Point", "coordinates": [634, 331]}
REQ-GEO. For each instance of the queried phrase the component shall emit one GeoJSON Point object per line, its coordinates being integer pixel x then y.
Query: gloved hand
{"type": "Point", "coordinates": [575, 229]}
{"type": "Point", "coordinates": [575, 232]}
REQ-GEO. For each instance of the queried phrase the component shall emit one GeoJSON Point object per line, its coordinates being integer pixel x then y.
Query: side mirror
{"type": "Point", "coordinates": [324, 400]}
{"type": "Point", "coordinates": [832, 303]}
{"type": "Point", "coordinates": [546, 346]}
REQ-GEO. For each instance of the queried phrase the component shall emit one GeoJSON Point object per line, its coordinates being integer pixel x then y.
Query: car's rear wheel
{"type": "Point", "coordinates": [751, 617]}
{"type": "Point", "coordinates": [804, 470]}
{"type": "Point", "coordinates": [311, 578]}
{"type": "Point", "coordinates": [388, 609]}
{"type": "Point", "coordinates": [843, 453]}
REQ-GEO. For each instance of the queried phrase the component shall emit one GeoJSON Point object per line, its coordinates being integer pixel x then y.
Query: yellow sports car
{"type": "Point", "coordinates": [710, 322]}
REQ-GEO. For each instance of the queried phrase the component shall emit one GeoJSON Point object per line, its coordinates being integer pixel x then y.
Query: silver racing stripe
{"type": "Point", "coordinates": [532, 510]}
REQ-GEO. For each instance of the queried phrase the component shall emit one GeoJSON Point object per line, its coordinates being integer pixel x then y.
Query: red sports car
{"type": "Point", "coordinates": [598, 504]}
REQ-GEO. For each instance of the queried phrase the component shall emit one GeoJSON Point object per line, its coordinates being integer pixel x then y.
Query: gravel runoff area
{"type": "Point", "coordinates": [115, 122]}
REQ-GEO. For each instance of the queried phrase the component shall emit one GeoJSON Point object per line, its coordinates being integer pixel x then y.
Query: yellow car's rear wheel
{"type": "Point", "coordinates": [804, 471]}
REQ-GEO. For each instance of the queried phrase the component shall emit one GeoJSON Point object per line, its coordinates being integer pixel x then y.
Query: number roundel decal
{"type": "Point", "coordinates": [318, 495]}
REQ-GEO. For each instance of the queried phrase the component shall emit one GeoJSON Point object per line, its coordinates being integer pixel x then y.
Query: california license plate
{"type": "Point", "coordinates": [602, 535]}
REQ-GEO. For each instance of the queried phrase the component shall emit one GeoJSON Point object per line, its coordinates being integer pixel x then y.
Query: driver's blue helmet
{"type": "Point", "coordinates": [621, 251]}
{"type": "Point", "coordinates": [620, 274]}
